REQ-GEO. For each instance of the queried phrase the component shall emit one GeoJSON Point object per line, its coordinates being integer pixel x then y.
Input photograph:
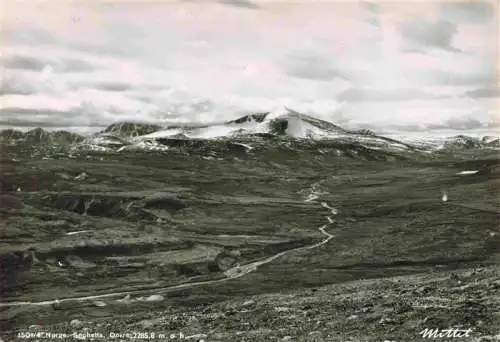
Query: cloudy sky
{"type": "Point", "coordinates": [412, 65]}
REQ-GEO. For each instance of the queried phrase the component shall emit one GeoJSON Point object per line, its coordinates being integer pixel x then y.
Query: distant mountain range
{"type": "Point", "coordinates": [244, 133]}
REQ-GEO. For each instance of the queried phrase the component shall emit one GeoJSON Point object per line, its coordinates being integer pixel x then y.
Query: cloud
{"type": "Point", "coordinates": [74, 65]}
{"type": "Point", "coordinates": [29, 36]}
{"type": "Point", "coordinates": [6, 90]}
{"type": "Point", "coordinates": [20, 111]}
{"type": "Point", "coordinates": [312, 67]}
{"type": "Point", "coordinates": [112, 86]}
{"type": "Point", "coordinates": [464, 79]}
{"type": "Point", "coordinates": [442, 113]}
{"type": "Point", "coordinates": [374, 95]}
{"type": "Point", "coordinates": [240, 3]}
{"type": "Point", "coordinates": [463, 123]}
{"type": "Point", "coordinates": [160, 61]}
{"type": "Point", "coordinates": [468, 123]}
{"type": "Point", "coordinates": [484, 92]}
{"type": "Point", "coordinates": [438, 34]}
{"type": "Point", "coordinates": [476, 11]}
{"type": "Point", "coordinates": [10, 86]}
{"type": "Point", "coordinates": [26, 62]}
{"type": "Point", "coordinates": [82, 119]}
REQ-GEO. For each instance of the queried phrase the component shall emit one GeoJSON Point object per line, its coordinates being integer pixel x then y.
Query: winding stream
{"type": "Point", "coordinates": [232, 273]}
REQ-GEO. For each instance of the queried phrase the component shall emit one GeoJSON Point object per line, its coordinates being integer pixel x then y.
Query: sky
{"type": "Point", "coordinates": [412, 65]}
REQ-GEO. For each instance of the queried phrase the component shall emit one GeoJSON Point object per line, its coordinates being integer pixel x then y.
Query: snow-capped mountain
{"type": "Point", "coordinates": [265, 129]}
{"type": "Point", "coordinates": [281, 122]}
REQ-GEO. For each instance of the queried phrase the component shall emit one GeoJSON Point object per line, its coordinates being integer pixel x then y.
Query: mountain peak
{"type": "Point", "coordinates": [131, 129]}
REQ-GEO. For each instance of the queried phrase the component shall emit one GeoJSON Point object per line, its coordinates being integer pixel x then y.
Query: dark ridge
{"type": "Point", "coordinates": [263, 135]}
{"type": "Point", "coordinates": [66, 137]}
{"type": "Point", "coordinates": [487, 167]}
{"type": "Point", "coordinates": [17, 261]}
{"type": "Point", "coordinates": [102, 205]}
{"type": "Point", "coordinates": [278, 126]}
{"type": "Point", "coordinates": [322, 124]}
{"type": "Point", "coordinates": [131, 129]}
{"type": "Point", "coordinates": [188, 126]}
{"type": "Point", "coordinates": [466, 142]}
{"type": "Point", "coordinates": [355, 150]}
{"type": "Point", "coordinates": [39, 136]}
{"type": "Point", "coordinates": [201, 145]}
{"type": "Point", "coordinates": [257, 117]}
{"type": "Point", "coordinates": [179, 136]}
{"type": "Point", "coordinates": [492, 143]}
{"type": "Point", "coordinates": [365, 131]}
{"type": "Point", "coordinates": [428, 262]}
{"type": "Point", "coordinates": [92, 251]}
{"type": "Point", "coordinates": [192, 269]}
{"type": "Point", "coordinates": [11, 134]}
{"type": "Point", "coordinates": [164, 203]}
{"type": "Point", "coordinates": [411, 147]}
{"type": "Point", "coordinates": [12, 271]}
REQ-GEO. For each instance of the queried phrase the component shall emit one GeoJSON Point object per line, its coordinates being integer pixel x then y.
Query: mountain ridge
{"type": "Point", "coordinates": [277, 128]}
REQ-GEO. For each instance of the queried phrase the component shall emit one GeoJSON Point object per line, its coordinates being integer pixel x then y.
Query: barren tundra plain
{"type": "Point", "coordinates": [252, 238]}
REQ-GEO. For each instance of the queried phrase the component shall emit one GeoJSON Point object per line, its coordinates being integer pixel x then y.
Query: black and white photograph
{"type": "Point", "coordinates": [249, 170]}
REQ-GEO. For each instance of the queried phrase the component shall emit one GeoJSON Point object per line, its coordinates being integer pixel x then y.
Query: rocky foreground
{"type": "Point", "coordinates": [159, 241]}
